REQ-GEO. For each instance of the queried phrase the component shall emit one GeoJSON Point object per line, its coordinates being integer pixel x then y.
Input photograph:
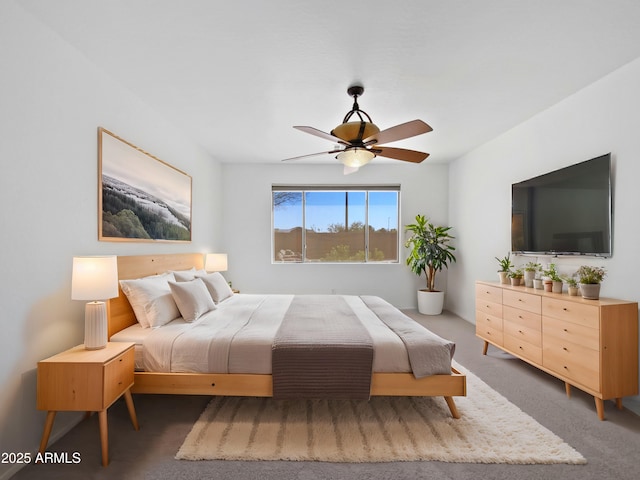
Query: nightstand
{"type": "Point", "coordinates": [86, 380]}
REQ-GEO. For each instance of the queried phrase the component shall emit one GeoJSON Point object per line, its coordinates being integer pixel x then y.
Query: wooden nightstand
{"type": "Point", "coordinates": [86, 380]}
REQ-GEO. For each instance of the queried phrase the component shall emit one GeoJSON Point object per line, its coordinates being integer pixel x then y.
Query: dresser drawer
{"type": "Point", "coordinates": [575, 362]}
{"type": "Point", "coordinates": [574, 312]}
{"type": "Point", "coordinates": [118, 376]}
{"type": "Point", "coordinates": [571, 332]}
{"type": "Point", "coordinates": [489, 333]}
{"type": "Point", "coordinates": [526, 331]}
{"type": "Point", "coordinates": [523, 349]}
{"type": "Point", "coordinates": [522, 301]}
{"type": "Point", "coordinates": [488, 293]}
{"type": "Point", "coordinates": [484, 320]}
{"type": "Point", "coordinates": [489, 308]}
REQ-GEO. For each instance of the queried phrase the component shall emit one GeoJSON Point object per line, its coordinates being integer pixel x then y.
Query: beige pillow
{"type": "Point", "coordinates": [151, 299]}
{"type": "Point", "coordinates": [187, 275]}
{"type": "Point", "coordinates": [192, 298]}
{"type": "Point", "coordinates": [217, 286]}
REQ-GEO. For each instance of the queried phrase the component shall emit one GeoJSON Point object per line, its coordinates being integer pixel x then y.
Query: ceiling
{"type": "Point", "coordinates": [235, 76]}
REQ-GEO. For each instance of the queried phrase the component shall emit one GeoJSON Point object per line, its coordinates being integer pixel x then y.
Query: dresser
{"type": "Point", "coordinates": [86, 380]}
{"type": "Point", "coordinates": [589, 344]}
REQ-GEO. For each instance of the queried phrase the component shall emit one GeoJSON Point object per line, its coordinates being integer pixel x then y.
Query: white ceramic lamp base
{"type": "Point", "coordinates": [95, 325]}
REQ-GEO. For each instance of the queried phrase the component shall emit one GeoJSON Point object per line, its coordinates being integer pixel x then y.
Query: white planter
{"type": "Point", "coordinates": [529, 275]}
{"type": "Point", "coordinates": [430, 303]}
{"type": "Point", "coordinates": [590, 291]}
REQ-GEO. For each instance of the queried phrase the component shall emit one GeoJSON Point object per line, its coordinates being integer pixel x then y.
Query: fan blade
{"type": "Point", "coordinates": [399, 132]}
{"type": "Point", "coordinates": [321, 134]}
{"type": "Point", "coordinates": [312, 155]}
{"type": "Point", "coordinates": [400, 154]}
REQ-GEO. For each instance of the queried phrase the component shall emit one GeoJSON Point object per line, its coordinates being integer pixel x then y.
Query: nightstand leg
{"type": "Point", "coordinates": [48, 425]}
{"type": "Point", "coordinates": [485, 348]}
{"type": "Point", "coordinates": [131, 408]}
{"type": "Point", "coordinates": [104, 437]}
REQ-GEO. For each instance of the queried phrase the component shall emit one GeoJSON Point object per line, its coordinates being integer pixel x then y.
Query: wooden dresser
{"type": "Point", "coordinates": [590, 344]}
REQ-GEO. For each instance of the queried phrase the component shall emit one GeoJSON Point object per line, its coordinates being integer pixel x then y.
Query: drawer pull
{"type": "Point", "coordinates": [565, 329]}
{"type": "Point", "coordinates": [520, 331]}
{"type": "Point", "coordinates": [565, 349]}
{"type": "Point", "coordinates": [564, 308]}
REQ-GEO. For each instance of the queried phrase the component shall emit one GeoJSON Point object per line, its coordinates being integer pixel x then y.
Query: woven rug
{"type": "Point", "coordinates": [491, 430]}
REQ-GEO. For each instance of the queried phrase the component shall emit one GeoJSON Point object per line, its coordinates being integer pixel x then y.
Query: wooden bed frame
{"type": "Point", "coordinates": [120, 316]}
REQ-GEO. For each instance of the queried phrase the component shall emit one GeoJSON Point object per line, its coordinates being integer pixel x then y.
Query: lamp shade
{"type": "Point", "coordinates": [94, 278]}
{"type": "Point", "coordinates": [355, 157]}
{"type": "Point", "coordinates": [216, 262]}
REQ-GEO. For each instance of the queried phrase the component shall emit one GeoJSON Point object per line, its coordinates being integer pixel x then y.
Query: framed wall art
{"type": "Point", "coordinates": [140, 197]}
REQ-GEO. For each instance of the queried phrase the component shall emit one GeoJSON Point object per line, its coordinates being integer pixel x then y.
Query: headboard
{"type": "Point", "coordinates": [119, 312]}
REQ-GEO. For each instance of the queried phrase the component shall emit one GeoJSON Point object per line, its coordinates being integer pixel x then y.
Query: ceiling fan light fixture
{"type": "Point", "coordinates": [355, 157]}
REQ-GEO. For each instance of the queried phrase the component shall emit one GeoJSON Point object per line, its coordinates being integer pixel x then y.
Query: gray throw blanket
{"type": "Point", "coordinates": [321, 350]}
{"type": "Point", "coordinates": [428, 353]}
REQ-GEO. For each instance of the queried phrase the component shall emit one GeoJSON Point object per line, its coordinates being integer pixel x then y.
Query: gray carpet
{"type": "Point", "coordinates": [610, 447]}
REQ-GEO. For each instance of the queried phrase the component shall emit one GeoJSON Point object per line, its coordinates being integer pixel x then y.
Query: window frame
{"type": "Point", "coordinates": [367, 188]}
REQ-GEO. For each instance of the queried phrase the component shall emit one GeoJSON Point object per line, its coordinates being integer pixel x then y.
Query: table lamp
{"type": "Point", "coordinates": [216, 262]}
{"type": "Point", "coordinates": [95, 279]}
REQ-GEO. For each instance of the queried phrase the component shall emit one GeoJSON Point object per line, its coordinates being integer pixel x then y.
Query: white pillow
{"type": "Point", "coordinates": [151, 300]}
{"type": "Point", "coordinates": [187, 275]}
{"type": "Point", "coordinates": [192, 298]}
{"type": "Point", "coordinates": [217, 286]}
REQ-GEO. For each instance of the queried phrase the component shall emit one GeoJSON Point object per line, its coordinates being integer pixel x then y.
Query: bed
{"type": "Point", "coordinates": [238, 379]}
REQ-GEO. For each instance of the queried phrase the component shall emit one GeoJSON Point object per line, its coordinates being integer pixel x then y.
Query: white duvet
{"type": "Point", "coordinates": [237, 337]}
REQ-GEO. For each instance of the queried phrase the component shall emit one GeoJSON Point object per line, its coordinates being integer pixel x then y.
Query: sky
{"type": "Point", "coordinates": [326, 208]}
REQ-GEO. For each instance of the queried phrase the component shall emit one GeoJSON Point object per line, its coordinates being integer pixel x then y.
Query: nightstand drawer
{"type": "Point", "coordinates": [118, 376]}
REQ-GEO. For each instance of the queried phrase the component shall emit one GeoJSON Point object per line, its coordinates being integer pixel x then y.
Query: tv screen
{"type": "Point", "coordinates": [564, 212]}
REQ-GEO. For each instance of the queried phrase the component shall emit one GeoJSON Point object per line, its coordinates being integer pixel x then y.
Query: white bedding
{"type": "Point", "coordinates": [136, 334]}
{"type": "Point", "coordinates": [237, 337]}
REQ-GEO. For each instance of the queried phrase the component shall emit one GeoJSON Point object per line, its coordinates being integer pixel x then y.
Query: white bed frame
{"type": "Point", "coordinates": [121, 316]}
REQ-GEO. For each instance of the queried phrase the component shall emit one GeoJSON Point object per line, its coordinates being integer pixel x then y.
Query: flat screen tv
{"type": "Point", "coordinates": [564, 212]}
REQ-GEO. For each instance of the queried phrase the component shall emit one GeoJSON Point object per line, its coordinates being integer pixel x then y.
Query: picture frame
{"type": "Point", "coordinates": [140, 197]}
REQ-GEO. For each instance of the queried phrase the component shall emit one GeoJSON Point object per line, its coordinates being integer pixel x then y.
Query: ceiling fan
{"type": "Point", "coordinates": [358, 142]}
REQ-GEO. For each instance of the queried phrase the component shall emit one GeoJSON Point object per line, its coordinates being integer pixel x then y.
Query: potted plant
{"type": "Point", "coordinates": [590, 278]}
{"type": "Point", "coordinates": [505, 268]}
{"type": "Point", "coordinates": [551, 279]}
{"type": "Point", "coordinates": [530, 270]}
{"type": "Point", "coordinates": [516, 277]}
{"type": "Point", "coordinates": [429, 253]}
{"type": "Point", "coordinates": [572, 284]}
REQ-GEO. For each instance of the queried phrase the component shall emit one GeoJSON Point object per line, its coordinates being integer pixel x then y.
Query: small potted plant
{"type": "Point", "coordinates": [516, 276]}
{"type": "Point", "coordinates": [590, 279]}
{"type": "Point", "coordinates": [572, 284]}
{"type": "Point", "coordinates": [552, 281]}
{"type": "Point", "coordinates": [530, 270]}
{"type": "Point", "coordinates": [505, 268]}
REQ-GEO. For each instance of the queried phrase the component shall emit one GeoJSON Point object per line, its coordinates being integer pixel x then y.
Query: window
{"type": "Point", "coordinates": [354, 224]}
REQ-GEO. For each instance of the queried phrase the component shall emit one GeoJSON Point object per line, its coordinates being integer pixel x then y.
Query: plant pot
{"type": "Point", "coordinates": [537, 284]}
{"type": "Point", "coordinates": [529, 276]}
{"type": "Point", "coordinates": [504, 279]}
{"type": "Point", "coordinates": [548, 285]}
{"type": "Point", "coordinates": [430, 303]}
{"type": "Point", "coordinates": [556, 286]}
{"type": "Point", "coordinates": [590, 291]}
{"type": "Point", "coordinates": [573, 291]}
{"type": "Point", "coordinates": [516, 281]}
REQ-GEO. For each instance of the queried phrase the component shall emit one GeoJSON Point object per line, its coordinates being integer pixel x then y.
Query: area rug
{"type": "Point", "coordinates": [491, 430]}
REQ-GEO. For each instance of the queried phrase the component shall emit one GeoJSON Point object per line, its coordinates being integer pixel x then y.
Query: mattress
{"type": "Point", "coordinates": [238, 337]}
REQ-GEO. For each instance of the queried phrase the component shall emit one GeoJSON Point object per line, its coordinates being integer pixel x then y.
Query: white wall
{"type": "Point", "coordinates": [247, 227]}
{"type": "Point", "coordinates": [601, 118]}
{"type": "Point", "coordinates": [52, 101]}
